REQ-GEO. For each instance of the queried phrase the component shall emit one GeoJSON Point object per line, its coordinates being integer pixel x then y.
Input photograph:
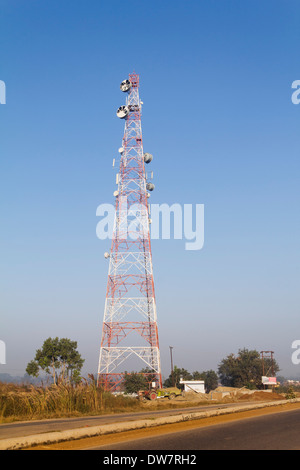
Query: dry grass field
{"type": "Point", "coordinates": [26, 402]}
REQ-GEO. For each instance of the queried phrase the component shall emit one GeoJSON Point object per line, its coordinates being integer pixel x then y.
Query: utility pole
{"type": "Point", "coordinates": [267, 355]}
{"type": "Point", "coordinates": [172, 370]}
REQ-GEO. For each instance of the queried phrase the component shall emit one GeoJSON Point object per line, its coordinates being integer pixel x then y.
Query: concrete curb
{"type": "Point", "coordinates": [59, 436]}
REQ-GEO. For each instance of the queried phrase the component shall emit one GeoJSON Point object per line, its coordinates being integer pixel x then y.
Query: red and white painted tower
{"type": "Point", "coordinates": [129, 333]}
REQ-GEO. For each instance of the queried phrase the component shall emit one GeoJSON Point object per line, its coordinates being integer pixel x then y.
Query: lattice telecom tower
{"type": "Point", "coordinates": [130, 323]}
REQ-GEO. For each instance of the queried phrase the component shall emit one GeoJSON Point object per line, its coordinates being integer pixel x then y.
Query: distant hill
{"type": "Point", "coordinates": [7, 378]}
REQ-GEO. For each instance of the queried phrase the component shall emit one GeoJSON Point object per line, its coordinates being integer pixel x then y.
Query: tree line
{"type": "Point", "coordinates": [244, 369]}
{"type": "Point", "coordinates": [60, 359]}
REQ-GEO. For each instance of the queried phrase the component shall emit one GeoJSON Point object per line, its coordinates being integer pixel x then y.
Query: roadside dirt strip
{"type": "Point", "coordinates": [79, 433]}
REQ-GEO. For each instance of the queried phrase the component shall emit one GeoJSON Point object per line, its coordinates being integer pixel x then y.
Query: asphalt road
{"type": "Point", "coordinates": [27, 428]}
{"type": "Point", "coordinates": [277, 431]}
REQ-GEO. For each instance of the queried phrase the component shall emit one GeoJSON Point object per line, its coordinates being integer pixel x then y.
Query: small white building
{"type": "Point", "coordinates": [193, 385]}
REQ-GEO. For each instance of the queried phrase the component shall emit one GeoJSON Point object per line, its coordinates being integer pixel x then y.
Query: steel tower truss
{"type": "Point", "coordinates": [130, 320]}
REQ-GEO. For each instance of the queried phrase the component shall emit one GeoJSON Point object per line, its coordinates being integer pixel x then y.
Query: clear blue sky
{"type": "Point", "coordinates": [216, 84]}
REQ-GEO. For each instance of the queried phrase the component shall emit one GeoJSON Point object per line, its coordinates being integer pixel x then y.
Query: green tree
{"type": "Point", "coordinates": [244, 370]}
{"type": "Point", "coordinates": [58, 357]}
{"type": "Point", "coordinates": [210, 379]}
{"type": "Point", "coordinates": [32, 369]}
{"type": "Point", "coordinates": [70, 359]}
{"type": "Point", "coordinates": [174, 378]}
{"type": "Point", "coordinates": [134, 381]}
